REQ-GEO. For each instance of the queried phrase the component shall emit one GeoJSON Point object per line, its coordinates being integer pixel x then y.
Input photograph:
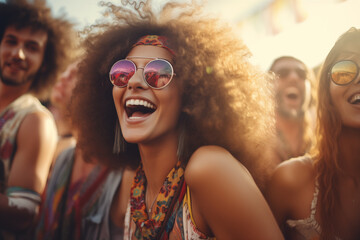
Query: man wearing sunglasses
{"type": "Point", "coordinates": [294, 106]}
{"type": "Point", "coordinates": [33, 49]}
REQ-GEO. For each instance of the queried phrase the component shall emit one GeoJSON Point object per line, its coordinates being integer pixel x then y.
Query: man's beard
{"type": "Point", "coordinates": [288, 112]}
{"type": "Point", "coordinates": [12, 82]}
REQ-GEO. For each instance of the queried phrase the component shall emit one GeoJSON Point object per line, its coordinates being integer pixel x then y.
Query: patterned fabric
{"type": "Point", "coordinates": [166, 201]}
{"type": "Point", "coordinates": [10, 119]}
{"type": "Point", "coordinates": [98, 224]}
{"type": "Point", "coordinates": [308, 227]}
{"type": "Point", "coordinates": [190, 229]}
{"type": "Point", "coordinates": [155, 40]}
{"type": "Point", "coordinates": [66, 205]}
{"type": "Point", "coordinates": [183, 224]}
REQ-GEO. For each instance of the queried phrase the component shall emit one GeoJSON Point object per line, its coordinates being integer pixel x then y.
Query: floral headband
{"type": "Point", "coordinates": [154, 40]}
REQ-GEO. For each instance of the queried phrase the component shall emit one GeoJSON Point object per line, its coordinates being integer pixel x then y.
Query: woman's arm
{"type": "Point", "coordinates": [225, 199]}
{"type": "Point", "coordinates": [277, 194]}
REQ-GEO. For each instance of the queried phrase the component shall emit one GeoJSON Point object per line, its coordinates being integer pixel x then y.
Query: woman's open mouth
{"type": "Point", "coordinates": [139, 108]}
{"type": "Point", "coordinates": [354, 99]}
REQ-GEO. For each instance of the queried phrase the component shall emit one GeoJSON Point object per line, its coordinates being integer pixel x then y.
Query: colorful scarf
{"type": "Point", "coordinates": [167, 202]}
{"type": "Point", "coordinates": [66, 204]}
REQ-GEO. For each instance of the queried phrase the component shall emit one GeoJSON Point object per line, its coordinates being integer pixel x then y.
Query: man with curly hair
{"type": "Point", "coordinates": [33, 49]}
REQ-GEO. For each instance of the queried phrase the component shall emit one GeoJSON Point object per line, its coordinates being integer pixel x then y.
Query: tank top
{"type": "Point", "coordinates": [10, 120]}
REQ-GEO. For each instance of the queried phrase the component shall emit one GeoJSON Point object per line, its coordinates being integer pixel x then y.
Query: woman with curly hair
{"type": "Point", "coordinates": [317, 196]}
{"type": "Point", "coordinates": [172, 93]}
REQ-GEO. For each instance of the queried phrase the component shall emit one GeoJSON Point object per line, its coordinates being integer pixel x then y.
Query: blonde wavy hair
{"type": "Point", "coordinates": [226, 101]}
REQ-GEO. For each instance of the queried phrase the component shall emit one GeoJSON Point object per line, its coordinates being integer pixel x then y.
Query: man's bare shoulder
{"type": "Point", "coordinates": [36, 122]}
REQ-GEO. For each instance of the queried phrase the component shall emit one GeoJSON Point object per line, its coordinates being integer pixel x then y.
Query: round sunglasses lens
{"type": "Point", "coordinates": [121, 72]}
{"type": "Point", "coordinates": [158, 73]}
{"type": "Point", "coordinates": [344, 72]}
{"type": "Point", "coordinates": [283, 72]}
{"type": "Point", "coordinates": [301, 73]}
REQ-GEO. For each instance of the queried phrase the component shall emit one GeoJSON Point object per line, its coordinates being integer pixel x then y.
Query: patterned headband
{"type": "Point", "coordinates": [154, 40]}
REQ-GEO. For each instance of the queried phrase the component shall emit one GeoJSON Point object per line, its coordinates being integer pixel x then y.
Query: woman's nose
{"type": "Point", "coordinates": [137, 81]}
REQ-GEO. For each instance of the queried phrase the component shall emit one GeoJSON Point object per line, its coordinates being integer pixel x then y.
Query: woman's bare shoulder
{"type": "Point", "coordinates": [291, 188]}
{"type": "Point", "coordinates": [208, 161]}
{"type": "Point", "coordinates": [222, 188]}
{"type": "Point", "coordinates": [294, 173]}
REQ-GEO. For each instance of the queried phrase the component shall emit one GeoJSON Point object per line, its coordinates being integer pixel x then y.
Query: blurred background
{"type": "Point", "coordinates": [306, 29]}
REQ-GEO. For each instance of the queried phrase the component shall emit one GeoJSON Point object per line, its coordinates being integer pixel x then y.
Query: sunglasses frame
{"type": "Point", "coordinates": [143, 74]}
{"type": "Point", "coordinates": [289, 70]}
{"type": "Point", "coordinates": [345, 60]}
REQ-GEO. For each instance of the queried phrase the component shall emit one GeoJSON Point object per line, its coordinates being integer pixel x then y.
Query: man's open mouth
{"type": "Point", "coordinates": [292, 94]}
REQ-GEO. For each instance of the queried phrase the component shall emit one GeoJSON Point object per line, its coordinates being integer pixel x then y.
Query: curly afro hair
{"type": "Point", "coordinates": [226, 101]}
{"type": "Point", "coordinates": [61, 42]}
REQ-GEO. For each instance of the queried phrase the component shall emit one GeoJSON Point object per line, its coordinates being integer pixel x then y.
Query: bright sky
{"type": "Point", "coordinates": [310, 40]}
{"type": "Point", "coordinates": [86, 11]}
